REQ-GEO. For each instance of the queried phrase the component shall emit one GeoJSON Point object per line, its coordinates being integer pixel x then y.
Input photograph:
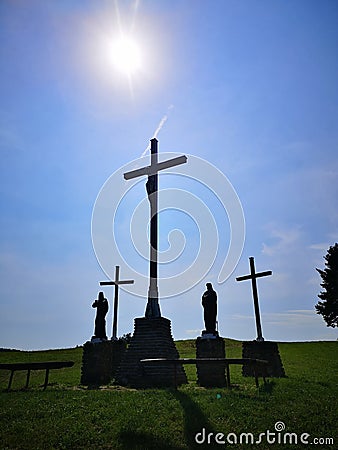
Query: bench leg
{"type": "Point", "coordinates": [10, 380]}
{"type": "Point", "coordinates": [228, 376]}
{"type": "Point", "coordinates": [27, 379]}
{"type": "Point", "coordinates": [46, 379]}
{"type": "Point", "coordinates": [265, 375]}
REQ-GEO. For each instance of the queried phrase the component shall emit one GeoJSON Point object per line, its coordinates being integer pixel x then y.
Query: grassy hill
{"type": "Point", "coordinates": [67, 415]}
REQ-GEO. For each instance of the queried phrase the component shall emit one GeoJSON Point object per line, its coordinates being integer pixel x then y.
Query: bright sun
{"type": "Point", "coordinates": [126, 55]}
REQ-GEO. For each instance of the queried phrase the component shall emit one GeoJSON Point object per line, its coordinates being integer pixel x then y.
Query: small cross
{"type": "Point", "coordinates": [116, 283]}
{"type": "Point", "coordinates": [153, 308]}
{"type": "Point", "coordinates": [253, 276]}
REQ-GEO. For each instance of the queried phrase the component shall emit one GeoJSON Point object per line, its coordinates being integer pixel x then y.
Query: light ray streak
{"type": "Point", "coordinates": [159, 128]}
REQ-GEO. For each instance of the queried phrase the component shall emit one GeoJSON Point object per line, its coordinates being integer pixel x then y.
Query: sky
{"type": "Point", "coordinates": [248, 90]}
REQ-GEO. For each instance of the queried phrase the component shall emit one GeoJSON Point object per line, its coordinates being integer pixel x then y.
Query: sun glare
{"type": "Point", "coordinates": [126, 55]}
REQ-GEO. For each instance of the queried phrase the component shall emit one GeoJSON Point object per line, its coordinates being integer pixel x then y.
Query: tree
{"type": "Point", "coordinates": [328, 308]}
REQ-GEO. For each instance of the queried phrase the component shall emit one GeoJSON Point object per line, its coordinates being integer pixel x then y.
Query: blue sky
{"type": "Point", "coordinates": [248, 86]}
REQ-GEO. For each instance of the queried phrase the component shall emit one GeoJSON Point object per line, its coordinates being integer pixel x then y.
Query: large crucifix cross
{"type": "Point", "coordinates": [116, 283]}
{"type": "Point", "coordinates": [153, 308]}
{"type": "Point", "coordinates": [253, 276]}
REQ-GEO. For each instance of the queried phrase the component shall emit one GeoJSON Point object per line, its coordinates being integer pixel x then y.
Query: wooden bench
{"type": "Point", "coordinates": [227, 361]}
{"type": "Point", "coordinates": [47, 366]}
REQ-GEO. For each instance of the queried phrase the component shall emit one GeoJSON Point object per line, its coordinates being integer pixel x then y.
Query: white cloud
{"type": "Point", "coordinates": [287, 325]}
{"type": "Point", "coordinates": [284, 239]}
{"type": "Point", "coordinates": [321, 246]}
{"type": "Point", "coordinates": [193, 332]}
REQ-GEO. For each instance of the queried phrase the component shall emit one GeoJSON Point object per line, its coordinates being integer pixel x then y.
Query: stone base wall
{"type": "Point", "coordinates": [96, 363]}
{"type": "Point", "coordinates": [118, 349]}
{"type": "Point", "coordinates": [210, 375]}
{"type": "Point", "coordinates": [100, 361]}
{"type": "Point", "coordinates": [263, 350]}
{"type": "Point", "coordinates": [151, 339]}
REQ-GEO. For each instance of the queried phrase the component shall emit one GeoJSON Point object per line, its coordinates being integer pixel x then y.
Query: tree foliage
{"type": "Point", "coordinates": [328, 307]}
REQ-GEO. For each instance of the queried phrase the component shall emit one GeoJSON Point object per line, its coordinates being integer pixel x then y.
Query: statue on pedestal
{"type": "Point", "coordinates": [209, 303]}
{"type": "Point", "coordinates": [101, 303]}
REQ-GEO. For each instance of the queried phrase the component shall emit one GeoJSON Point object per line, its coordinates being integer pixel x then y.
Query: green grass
{"type": "Point", "coordinates": [69, 416]}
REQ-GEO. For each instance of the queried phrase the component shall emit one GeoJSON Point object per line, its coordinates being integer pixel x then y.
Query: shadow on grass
{"type": "Point", "coordinates": [133, 440]}
{"type": "Point", "coordinates": [196, 423]}
{"type": "Point", "coordinates": [194, 420]}
{"type": "Point", "coordinates": [267, 387]}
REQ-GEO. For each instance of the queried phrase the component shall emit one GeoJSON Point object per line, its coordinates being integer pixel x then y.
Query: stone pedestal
{"type": "Point", "coordinates": [151, 339]}
{"type": "Point", "coordinates": [210, 375]}
{"type": "Point", "coordinates": [263, 350]}
{"type": "Point", "coordinates": [100, 361]}
{"type": "Point", "coordinates": [118, 349]}
{"type": "Point", "coordinates": [96, 363]}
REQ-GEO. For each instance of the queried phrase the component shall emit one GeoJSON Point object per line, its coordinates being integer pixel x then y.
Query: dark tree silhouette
{"type": "Point", "coordinates": [328, 307]}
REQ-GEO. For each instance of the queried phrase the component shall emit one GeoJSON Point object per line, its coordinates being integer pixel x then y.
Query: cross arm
{"type": "Point", "coordinates": [137, 173]}
{"type": "Point", "coordinates": [114, 283]}
{"type": "Point", "coordinates": [153, 169]}
{"type": "Point", "coordinates": [172, 162]}
{"type": "Point", "coordinates": [245, 277]}
{"type": "Point", "coordinates": [256, 275]}
{"type": "Point", "coordinates": [264, 274]}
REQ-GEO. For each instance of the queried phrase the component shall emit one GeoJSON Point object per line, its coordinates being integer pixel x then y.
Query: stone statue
{"type": "Point", "coordinates": [100, 322]}
{"type": "Point", "coordinates": [209, 303]}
